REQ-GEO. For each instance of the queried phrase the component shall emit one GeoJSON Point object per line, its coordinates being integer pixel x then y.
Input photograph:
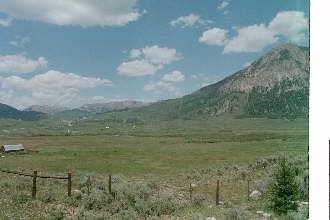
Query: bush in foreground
{"type": "Point", "coordinates": [285, 190]}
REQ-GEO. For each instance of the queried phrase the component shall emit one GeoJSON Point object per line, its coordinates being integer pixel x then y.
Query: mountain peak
{"type": "Point", "coordinates": [275, 85]}
{"type": "Point", "coordinates": [286, 61]}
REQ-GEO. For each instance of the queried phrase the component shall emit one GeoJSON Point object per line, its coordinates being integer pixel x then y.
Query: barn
{"type": "Point", "coordinates": [12, 148]}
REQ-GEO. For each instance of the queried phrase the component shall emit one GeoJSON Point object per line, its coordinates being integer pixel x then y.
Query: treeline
{"type": "Point", "coordinates": [288, 99]}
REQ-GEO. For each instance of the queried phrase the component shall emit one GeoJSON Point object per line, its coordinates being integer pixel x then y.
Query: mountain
{"type": "Point", "coordinates": [99, 108]}
{"type": "Point", "coordinates": [47, 109]}
{"type": "Point", "coordinates": [111, 106]}
{"type": "Point", "coordinates": [275, 85]}
{"type": "Point", "coordinates": [7, 111]}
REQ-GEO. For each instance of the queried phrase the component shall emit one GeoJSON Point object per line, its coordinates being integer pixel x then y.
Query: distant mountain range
{"type": "Point", "coordinates": [87, 109]}
{"type": "Point", "coordinates": [7, 111]}
{"type": "Point", "coordinates": [276, 85]}
{"type": "Point", "coordinates": [111, 106]}
{"type": "Point", "coordinates": [47, 109]}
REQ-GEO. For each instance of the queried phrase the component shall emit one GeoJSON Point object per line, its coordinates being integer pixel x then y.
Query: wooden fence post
{"type": "Point", "coordinates": [34, 184]}
{"type": "Point", "coordinates": [69, 184]}
{"type": "Point", "coordinates": [217, 193]}
{"type": "Point", "coordinates": [248, 190]}
{"type": "Point", "coordinates": [190, 191]}
{"type": "Point", "coordinates": [110, 190]}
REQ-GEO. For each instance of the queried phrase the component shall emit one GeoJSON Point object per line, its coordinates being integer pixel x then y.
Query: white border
{"type": "Point", "coordinates": [319, 110]}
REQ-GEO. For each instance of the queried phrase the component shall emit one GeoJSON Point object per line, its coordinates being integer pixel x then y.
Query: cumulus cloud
{"type": "Point", "coordinates": [134, 53]}
{"type": "Point", "coordinates": [6, 22]}
{"type": "Point", "coordinates": [154, 58]}
{"type": "Point", "coordinates": [251, 39]}
{"type": "Point", "coordinates": [254, 38]}
{"type": "Point", "coordinates": [52, 87]}
{"type": "Point", "coordinates": [17, 64]}
{"type": "Point", "coordinates": [290, 24]}
{"type": "Point", "coordinates": [74, 12]}
{"type": "Point", "coordinates": [138, 68]}
{"type": "Point", "coordinates": [161, 55]}
{"type": "Point", "coordinates": [223, 5]}
{"type": "Point", "coordinates": [175, 76]}
{"type": "Point", "coordinates": [166, 84]}
{"type": "Point", "coordinates": [20, 42]}
{"type": "Point", "coordinates": [159, 85]}
{"type": "Point", "coordinates": [189, 21]}
{"type": "Point", "coordinates": [99, 98]}
{"type": "Point", "coordinates": [214, 36]}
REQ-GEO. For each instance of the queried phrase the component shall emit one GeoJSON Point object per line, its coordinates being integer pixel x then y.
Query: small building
{"type": "Point", "coordinates": [12, 148]}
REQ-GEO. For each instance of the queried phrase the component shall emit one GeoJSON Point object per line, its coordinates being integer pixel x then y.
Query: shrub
{"type": "Point", "coordinates": [237, 214]}
{"type": "Point", "coordinates": [127, 215]}
{"type": "Point", "coordinates": [21, 198]}
{"type": "Point", "coordinates": [55, 213]}
{"type": "Point", "coordinates": [197, 200]}
{"type": "Point", "coordinates": [285, 190]}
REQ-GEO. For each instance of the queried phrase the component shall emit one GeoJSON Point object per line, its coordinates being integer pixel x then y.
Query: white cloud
{"type": "Point", "coordinates": [153, 60]}
{"type": "Point", "coordinates": [51, 81]}
{"type": "Point", "coordinates": [189, 21]}
{"type": "Point", "coordinates": [159, 85]}
{"type": "Point", "coordinates": [52, 87]}
{"type": "Point", "coordinates": [223, 5]}
{"type": "Point", "coordinates": [246, 64]}
{"type": "Point", "coordinates": [138, 68]}
{"type": "Point", "coordinates": [254, 38]}
{"type": "Point", "coordinates": [214, 36]}
{"type": "Point", "coordinates": [194, 76]}
{"type": "Point", "coordinates": [251, 39]}
{"type": "Point", "coordinates": [20, 64]}
{"type": "Point", "coordinates": [20, 42]}
{"type": "Point", "coordinates": [291, 24]}
{"type": "Point", "coordinates": [74, 12]}
{"type": "Point", "coordinates": [134, 53]}
{"type": "Point", "coordinates": [175, 76]}
{"type": "Point", "coordinates": [6, 22]}
{"type": "Point", "coordinates": [161, 55]}
{"type": "Point", "coordinates": [99, 98]}
{"type": "Point", "coordinates": [204, 84]}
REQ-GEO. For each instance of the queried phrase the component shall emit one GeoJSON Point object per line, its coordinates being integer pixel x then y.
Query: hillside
{"type": "Point", "coordinates": [8, 112]}
{"type": "Point", "coordinates": [47, 109]}
{"type": "Point", "coordinates": [111, 106]}
{"type": "Point", "coordinates": [275, 85]}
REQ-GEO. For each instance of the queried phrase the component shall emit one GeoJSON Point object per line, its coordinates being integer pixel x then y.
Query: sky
{"type": "Point", "coordinates": [73, 52]}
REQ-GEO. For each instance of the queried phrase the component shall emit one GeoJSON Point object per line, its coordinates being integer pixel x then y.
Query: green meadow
{"type": "Point", "coordinates": [162, 157]}
{"type": "Point", "coordinates": [171, 148]}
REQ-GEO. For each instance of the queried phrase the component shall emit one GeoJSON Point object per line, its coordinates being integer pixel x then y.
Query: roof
{"type": "Point", "coordinates": [16, 147]}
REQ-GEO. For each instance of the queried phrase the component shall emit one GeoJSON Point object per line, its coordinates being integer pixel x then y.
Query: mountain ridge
{"type": "Point", "coordinates": [270, 83]}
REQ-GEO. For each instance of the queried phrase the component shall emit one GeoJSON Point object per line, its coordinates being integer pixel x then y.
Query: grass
{"type": "Point", "coordinates": [172, 153]}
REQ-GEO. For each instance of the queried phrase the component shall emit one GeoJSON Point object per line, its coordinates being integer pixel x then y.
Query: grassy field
{"type": "Point", "coordinates": [170, 148]}
{"type": "Point", "coordinates": [172, 153]}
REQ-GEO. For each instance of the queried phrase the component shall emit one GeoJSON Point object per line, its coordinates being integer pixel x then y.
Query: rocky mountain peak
{"type": "Point", "coordinates": [286, 61]}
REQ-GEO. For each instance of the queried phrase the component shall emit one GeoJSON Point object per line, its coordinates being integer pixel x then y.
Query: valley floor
{"type": "Point", "coordinates": [166, 157]}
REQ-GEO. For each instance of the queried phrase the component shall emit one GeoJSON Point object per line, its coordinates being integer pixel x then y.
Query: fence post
{"type": "Point", "coordinates": [248, 191]}
{"type": "Point", "coordinates": [217, 194]}
{"type": "Point", "coordinates": [69, 184]}
{"type": "Point", "coordinates": [110, 191]}
{"type": "Point", "coordinates": [190, 191]}
{"type": "Point", "coordinates": [34, 184]}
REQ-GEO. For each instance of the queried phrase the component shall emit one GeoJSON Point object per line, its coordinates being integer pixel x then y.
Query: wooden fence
{"type": "Point", "coordinates": [69, 178]}
{"type": "Point", "coordinates": [35, 176]}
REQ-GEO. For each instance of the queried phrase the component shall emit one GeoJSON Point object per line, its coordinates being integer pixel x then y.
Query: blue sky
{"type": "Point", "coordinates": [75, 52]}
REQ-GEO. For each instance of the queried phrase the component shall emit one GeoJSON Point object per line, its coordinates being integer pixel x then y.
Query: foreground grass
{"type": "Point", "coordinates": [172, 154]}
{"type": "Point", "coordinates": [148, 199]}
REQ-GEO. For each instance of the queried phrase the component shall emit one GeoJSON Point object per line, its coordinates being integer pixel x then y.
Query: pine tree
{"type": "Point", "coordinates": [284, 192]}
